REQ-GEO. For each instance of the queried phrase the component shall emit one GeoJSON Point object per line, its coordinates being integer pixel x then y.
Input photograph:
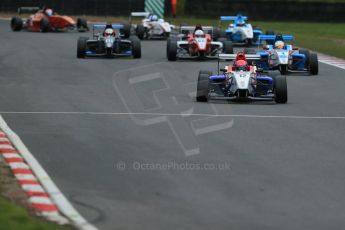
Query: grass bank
{"type": "Point", "coordinates": [13, 217]}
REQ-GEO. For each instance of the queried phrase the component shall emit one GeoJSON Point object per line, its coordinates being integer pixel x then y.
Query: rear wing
{"type": "Point", "coordinates": [102, 27]}
{"type": "Point", "coordinates": [273, 37]}
{"type": "Point", "coordinates": [231, 18]}
{"type": "Point", "coordinates": [190, 29]}
{"type": "Point", "coordinates": [28, 9]}
{"type": "Point", "coordinates": [231, 57]}
{"type": "Point", "coordinates": [138, 14]}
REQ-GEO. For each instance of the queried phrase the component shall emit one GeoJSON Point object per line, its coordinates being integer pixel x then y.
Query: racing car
{"type": "Point", "coordinates": [239, 32]}
{"type": "Point", "coordinates": [108, 41]}
{"type": "Point", "coordinates": [44, 20]}
{"type": "Point", "coordinates": [240, 81]}
{"type": "Point", "coordinates": [196, 43]}
{"type": "Point", "coordinates": [285, 57]}
{"type": "Point", "coordinates": [151, 26]}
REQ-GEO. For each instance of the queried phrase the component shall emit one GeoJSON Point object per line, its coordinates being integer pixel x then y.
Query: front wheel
{"type": "Point", "coordinates": [16, 24]}
{"type": "Point", "coordinates": [313, 64]}
{"type": "Point", "coordinates": [203, 86]}
{"type": "Point", "coordinates": [172, 49]}
{"type": "Point", "coordinates": [280, 90]}
{"type": "Point", "coordinates": [136, 47]}
{"type": "Point", "coordinates": [81, 47]}
{"type": "Point", "coordinates": [140, 31]}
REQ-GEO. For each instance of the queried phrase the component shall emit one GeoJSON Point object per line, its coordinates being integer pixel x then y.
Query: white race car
{"type": "Point", "coordinates": [151, 26]}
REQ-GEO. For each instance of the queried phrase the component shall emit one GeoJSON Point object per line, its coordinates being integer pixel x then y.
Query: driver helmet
{"type": "Point", "coordinates": [279, 44]}
{"type": "Point", "coordinates": [154, 18]}
{"type": "Point", "coordinates": [199, 33]}
{"type": "Point", "coordinates": [109, 32]}
{"type": "Point", "coordinates": [241, 65]}
{"type": "Point", "coordinates": [198, 27]}
{"type": "Point", "coordinates": [49, 12]}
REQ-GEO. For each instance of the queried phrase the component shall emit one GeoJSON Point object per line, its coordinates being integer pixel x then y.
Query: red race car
{"type": "Point", "coordinates": [196, 43]}
{"type": "Point", "coordinates": [45, 20]}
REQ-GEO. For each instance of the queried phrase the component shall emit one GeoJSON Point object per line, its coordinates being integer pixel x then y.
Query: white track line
{"type": "Point", "coordinates": [59, 199]}
{"type": "Point", "coordinates": [183, 115]}
{"type": "Point", "coordinates": [330, 60]}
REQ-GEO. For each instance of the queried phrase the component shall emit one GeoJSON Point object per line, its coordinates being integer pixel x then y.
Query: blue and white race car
{"type": "Point", "coordinates": [239, 31]}
{"type": "Point", "coordinates": [285, 57]}
{"type": "Point", "coordinates": [240, 81]}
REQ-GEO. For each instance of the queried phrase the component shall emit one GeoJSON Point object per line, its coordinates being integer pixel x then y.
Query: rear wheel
{"type": "Point", "coordinates": [313, 64]}
{"type": "Point", "coordinates": [82, 25]}
{"type": "Point", "coordinates": [81, 47]}
{"type": "Point", "coordinates": [219, 33]}
{"type": "Point", "coordinates": [166, 35]}
{"type": "Point", "coordinates": [269, 32]}
{"type": "Point", "coordinates": [249, 50]}
{"type": "Point", "coordinates": [203, 86]}
{"type": "Point", "coordinates": [171, 49]}
{"type": "Point", "coordinates": [306, 54]}
{"type": "Point", "coordinates": [227, 47]}
{"type": "Point", "coordinates": [126, 30]}
{"type": "Point", "coordinates": [280, 89]}
{"type": "Point", "coordinates": [44, 25]}
{"type": "Point", "coordinates": [140, 31]}
{"type": "Point", "coordinates": [136, 47]}
{"type": "Point", "coordinates": [16, 24]}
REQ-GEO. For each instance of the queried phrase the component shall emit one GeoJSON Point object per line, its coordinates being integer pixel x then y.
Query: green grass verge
{"type": "Point", "coordinates": [328, 38]}
{"type": "Point", "coordinates": [13, 217]}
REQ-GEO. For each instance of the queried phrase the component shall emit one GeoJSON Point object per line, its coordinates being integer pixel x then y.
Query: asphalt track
{"type": "Point", "coordinates": [92, 122]}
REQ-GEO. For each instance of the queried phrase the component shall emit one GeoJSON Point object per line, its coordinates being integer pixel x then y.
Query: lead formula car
{"type": "Point", "coordinates": [239, 81]}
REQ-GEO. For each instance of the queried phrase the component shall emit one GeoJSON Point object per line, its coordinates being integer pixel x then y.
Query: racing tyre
{"type": "Point", "coordinates": [280, 90]}
{"type": "Point", "coordinates": [44, 25]}
{"type": "Point", "coordinates": [136, 47]}
{"type": "Point", "coordinates": [81, 47]}
{"type": "Point", "coordinates": [227, 47]}
{"type": "Point", "coordinates": [269, 32]}
{"type": "Point", "coordinates": [16, 24]}
{"type": "Point", "coordinates": [222, 39]}
{"type": "Point", "coordinates": [140, 31]}
{"type": "Point", "coordinates": [126, 30]}
{"type": "Point", "coordinates": [166, 35]}
{"type": "Point", "coordinates": [203, 86]}
{"type": "Point", "coordinates": [313, 64]}
{"type": "Point", "coordinates": [306, 54]}
{"type": "Point", "coordinates": [82, 25]}
{"type": "Point", "coordinates": [249, 50]}
{"type": "Point", "coordinates": [219, 33]}
{"type": "Point", "coordinates": [172, 49]}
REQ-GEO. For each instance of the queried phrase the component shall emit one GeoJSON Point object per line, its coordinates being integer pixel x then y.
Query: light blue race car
{"type": "Point", "coordinates": [285, 57]}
